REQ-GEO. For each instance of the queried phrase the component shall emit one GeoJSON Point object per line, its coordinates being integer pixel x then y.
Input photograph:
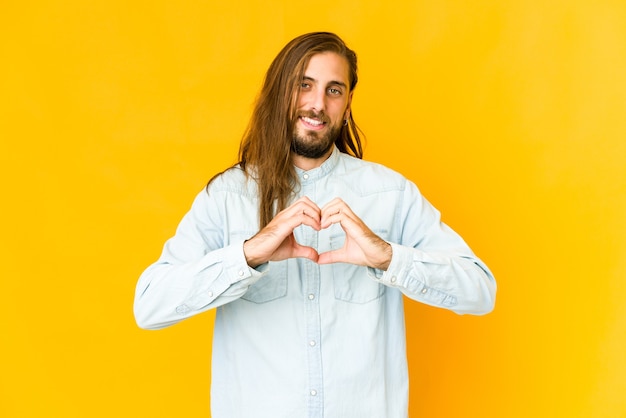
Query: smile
{"type": "Point", "coordinates": [315, 123]}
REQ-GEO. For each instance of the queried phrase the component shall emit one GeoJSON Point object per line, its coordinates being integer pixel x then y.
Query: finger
{"type": "Point", "coordinates": [306, 212]}
{"type": "Point", "coordinates": [337, 213]}
{"type": "Point", "coordinates": [304, 200]}
{"type": "Point", "coordinates": [308, 216]}
{"type": "Point", "coordinates": [304, 203]}
{"type": "Point", "coordinates": [336, 205]}
{"type": "Point", "coordinates": [329, 257]}
{"type": "Point", "coordinates": [332, 218]}
{"type": "Point", "coordinates": [305, 252]}
{"type": "Point", "coordinates": [303, 211]}
{"type": "Point", "coordinates": [333, 206]}
{"type": "Point", "coordinates": [311, 212]}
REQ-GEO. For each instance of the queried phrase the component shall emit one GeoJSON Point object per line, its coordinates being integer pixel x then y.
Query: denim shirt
{"type": "Point", "coordinates": [298, 339]}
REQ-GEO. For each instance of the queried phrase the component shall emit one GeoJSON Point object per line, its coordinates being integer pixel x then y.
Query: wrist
{"type": "Point", "coordinates": [385, 260]}
{"type": "Point", "coordinates": [248, 252]}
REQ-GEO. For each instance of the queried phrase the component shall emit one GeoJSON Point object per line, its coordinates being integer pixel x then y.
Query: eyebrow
{"type": "Point", "coordinates": [331, 83]}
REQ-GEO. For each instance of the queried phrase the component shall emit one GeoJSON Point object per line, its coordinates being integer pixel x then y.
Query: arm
{"type": "Point", "coordinates": [196, 270]}
{"type": "Point", "coordinates": [454, 281]}
{"type": "Point", "coordinates": [432, 264]}
{"type": "Point", "coordinates": [429, 262]}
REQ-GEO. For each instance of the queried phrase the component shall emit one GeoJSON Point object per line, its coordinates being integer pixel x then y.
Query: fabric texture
{"type": "Point", "coordinates": [298, 339]}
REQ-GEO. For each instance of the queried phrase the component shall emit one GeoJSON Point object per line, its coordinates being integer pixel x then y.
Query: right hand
{"type": "Point", "coordinates": [276, 242]}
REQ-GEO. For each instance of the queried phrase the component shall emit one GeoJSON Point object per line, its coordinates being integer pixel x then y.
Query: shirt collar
{"type": "Point", "coordinates": [321, 171]}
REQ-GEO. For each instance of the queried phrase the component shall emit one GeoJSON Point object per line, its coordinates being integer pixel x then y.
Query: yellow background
{"type": "Point", "coordinates": [509, 115]}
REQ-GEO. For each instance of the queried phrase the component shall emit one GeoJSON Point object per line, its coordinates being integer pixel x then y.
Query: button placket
{"type": "Point", "coordinates": [311, 287]}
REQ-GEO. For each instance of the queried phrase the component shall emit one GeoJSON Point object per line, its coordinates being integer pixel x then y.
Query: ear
{"type": "Point", "coordinates": [346, 114]}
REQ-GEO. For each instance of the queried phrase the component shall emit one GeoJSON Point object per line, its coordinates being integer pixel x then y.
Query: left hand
{"type": "Point", "coordinates": [362, 246]}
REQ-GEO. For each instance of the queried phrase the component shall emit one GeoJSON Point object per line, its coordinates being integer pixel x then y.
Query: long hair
{"type": "Point", "coordinates": [265, 149]}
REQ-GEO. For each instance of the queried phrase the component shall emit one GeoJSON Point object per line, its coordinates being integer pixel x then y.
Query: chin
{"type": "Point", "coordinates": [311, 149]}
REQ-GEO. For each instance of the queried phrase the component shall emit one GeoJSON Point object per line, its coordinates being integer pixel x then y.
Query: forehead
{"type": "Point", "coordinates": [328, 67]}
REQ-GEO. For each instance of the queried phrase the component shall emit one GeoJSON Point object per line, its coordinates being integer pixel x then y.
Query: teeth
{"type": "Point", "coordinates": [312, 121]}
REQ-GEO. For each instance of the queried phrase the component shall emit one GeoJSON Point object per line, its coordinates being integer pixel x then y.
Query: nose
{"type": "Point", "coordinates": [317, 99]}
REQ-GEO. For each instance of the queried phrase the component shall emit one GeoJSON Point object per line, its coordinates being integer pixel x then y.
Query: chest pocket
{"type": "Point", "coordinates": [352, 283]}
{"type": "Point", "coordinates": [270, 287]}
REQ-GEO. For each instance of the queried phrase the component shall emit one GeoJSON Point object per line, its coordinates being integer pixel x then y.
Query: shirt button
{"type": "Point", "coordinates": [312, 343]}
{"type": "Point", "coordinates": [305, 176]}
{"type": "Point", "coordinates": [424, 290]}
{"type": "Point", "coordinates": [393, 279]}
{"type": "Point", "coordinates": [240, 273]}
{"type": "Point", "coordinates": [182, 309]}
{"type": "Point", "coordinates": [313, 392]}
{"type": "Point", "coordinates": [210, 294]}
{"type": "Point", "coordinates": [311, 296]}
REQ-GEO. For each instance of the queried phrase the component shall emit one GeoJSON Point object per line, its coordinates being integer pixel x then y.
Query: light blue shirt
{"type": "Point", "coordinates": [297, 339]}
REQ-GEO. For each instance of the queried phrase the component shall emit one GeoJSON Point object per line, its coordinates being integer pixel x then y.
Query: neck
{"type": "Point", "coordinates": [306, 164]}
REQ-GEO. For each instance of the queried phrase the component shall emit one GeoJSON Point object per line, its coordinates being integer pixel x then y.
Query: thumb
{"type": "Point", "coordinates": [301, 251]}
{"type": "Point", "coordinates": [330, 257]}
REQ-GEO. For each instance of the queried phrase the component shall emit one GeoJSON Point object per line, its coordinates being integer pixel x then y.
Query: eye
{"type": "Point", "coordinates": [334, 91]}
{"type": "Point", "coordinates": [305, 85]}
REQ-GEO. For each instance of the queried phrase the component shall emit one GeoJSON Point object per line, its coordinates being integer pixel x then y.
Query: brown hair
{"type": "Point", "coordinates": [265, 149]}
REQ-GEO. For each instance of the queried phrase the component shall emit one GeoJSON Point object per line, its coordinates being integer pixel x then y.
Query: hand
{"type": "Point", "coordinates": [361, 246]}
{"type": "Point", "coordinates": [276, 242]}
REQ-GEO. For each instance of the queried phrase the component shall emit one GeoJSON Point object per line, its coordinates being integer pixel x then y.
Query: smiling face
{"type": "Point", "coordinates": [323, 104]}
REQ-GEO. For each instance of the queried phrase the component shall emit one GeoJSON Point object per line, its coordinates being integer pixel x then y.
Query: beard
{"type": "Point", "coordinates": [311, 144]}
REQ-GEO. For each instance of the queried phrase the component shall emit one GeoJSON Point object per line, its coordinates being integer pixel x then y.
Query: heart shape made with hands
{"type": "Point", "coordinates": [329, 238]}
{"type": "Point", "coordinates": [360, 246]}
{"type": "Point", "coordinates": [276, 241]}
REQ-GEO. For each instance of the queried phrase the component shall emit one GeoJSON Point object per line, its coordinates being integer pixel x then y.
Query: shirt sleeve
{"type": "Point", "coordinates": [432, 264]}
{"type": "Point", "coordinates": [196, 272]}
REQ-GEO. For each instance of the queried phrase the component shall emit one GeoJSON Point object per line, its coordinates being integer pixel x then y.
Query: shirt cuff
{"type": "Point", "coordinates": [396, 271]}
{"type": "Point", "coordinates": [406, 272]}
{"type": "Point", "coordinates": [234, 269]}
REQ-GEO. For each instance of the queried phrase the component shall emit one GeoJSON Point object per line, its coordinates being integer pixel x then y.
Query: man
{"type": "Point", "coordinates": [306, 251]}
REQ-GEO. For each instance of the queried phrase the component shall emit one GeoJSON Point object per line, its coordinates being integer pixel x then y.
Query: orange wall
{"type": "Point", "coordinates": [510, 116]}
